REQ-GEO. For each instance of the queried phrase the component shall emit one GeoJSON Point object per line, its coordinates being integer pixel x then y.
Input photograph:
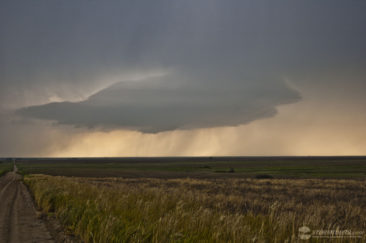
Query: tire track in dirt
{"type": "Point", "coordinates": [18, 217]}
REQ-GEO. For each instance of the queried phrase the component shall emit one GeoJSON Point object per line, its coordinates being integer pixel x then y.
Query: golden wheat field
{"type": "Point", "coordinates": [203, 210]}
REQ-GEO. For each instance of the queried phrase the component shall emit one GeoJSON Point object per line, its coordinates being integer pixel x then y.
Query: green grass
{"type": "Point", "coordinates": [5, 167]}
{"type": "Point", "coordinates": [275, 167]}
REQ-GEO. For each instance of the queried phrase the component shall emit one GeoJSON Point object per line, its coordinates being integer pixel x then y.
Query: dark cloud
{"type": "Point", "coordinates": [58, 44]}
{"type": "Point", "coordinates": [226, 60]}
{"type": "Point", "coordinates": [19, 137]}
{"type": "Point", "coordinates": [158, 105]}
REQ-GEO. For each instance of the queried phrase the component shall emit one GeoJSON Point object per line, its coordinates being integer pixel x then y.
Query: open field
{"type": "Point", "coordinates": [226, 199]}
{"type": "Point", "coordinates": [206, 210]}
{"type": "Point", "coordinates": [204, 167]}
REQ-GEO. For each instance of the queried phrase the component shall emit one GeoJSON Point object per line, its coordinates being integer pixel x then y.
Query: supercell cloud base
{"type": "Point", "coordinates": [123, 78]}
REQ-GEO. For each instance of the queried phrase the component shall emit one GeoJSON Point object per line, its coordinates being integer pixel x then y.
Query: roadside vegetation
{"type": "Point", "coordinates": [5, 167]}
{"type": "Point", "coordinates": [205, 210]}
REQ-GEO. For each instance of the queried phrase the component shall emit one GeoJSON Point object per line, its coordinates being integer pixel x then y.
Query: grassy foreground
{"type": "Point", "coordinates": [205, 210]}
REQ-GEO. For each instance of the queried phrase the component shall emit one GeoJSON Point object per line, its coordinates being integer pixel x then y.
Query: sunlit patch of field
{"type": "Point", "coordinates": [206, 210]}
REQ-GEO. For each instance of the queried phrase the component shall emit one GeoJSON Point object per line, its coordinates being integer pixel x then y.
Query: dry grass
{"type": "Point", "coordinates": [205, 210]}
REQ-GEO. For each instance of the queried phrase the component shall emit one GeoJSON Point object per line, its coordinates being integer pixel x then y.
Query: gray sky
{"type": "Point", "coordinates": [165, 66]}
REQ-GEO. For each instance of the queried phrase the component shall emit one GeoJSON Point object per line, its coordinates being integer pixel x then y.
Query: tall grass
{"type": "Point", "coordinates": [205, 210]}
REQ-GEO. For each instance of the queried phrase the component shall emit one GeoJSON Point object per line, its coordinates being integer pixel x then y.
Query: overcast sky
{"type": "Point", "coordinates": [194, 77]}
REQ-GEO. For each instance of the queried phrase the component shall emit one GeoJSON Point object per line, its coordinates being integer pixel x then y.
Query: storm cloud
{"type": "Point", "coordinates": [163, 65]}
{"type": "Point", "coordinates": [225, 61]}
{"type": "Point", "coordinates": [158, 105]}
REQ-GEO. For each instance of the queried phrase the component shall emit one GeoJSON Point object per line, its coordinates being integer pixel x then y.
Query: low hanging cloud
{"type": "Point", "coordinates": [225, 63]}
{"type": "Point", "coordinates": [163, 104]}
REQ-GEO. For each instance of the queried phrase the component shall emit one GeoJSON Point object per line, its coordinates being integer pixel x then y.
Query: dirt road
{"type": "Point", "coordinates": [18, 218]}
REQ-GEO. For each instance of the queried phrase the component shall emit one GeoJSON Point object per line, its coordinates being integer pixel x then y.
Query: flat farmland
{"type": "Point", "coordinates": [205, 199]}
{"type": "Point", "coordinates": [202, 210]}
{"type": "Point", "coordinates": [201, 167]}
